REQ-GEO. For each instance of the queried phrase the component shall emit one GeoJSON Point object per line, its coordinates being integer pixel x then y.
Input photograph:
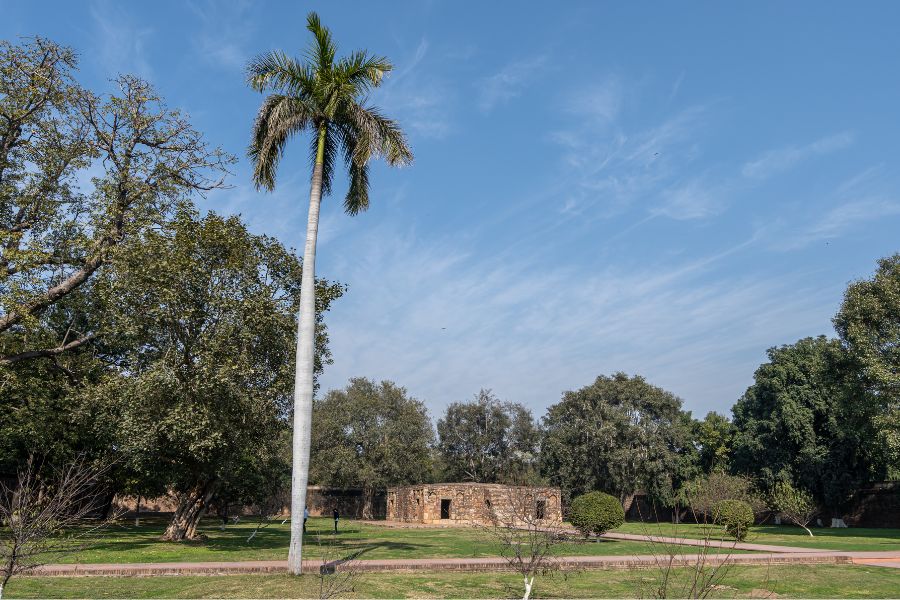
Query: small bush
{"type": "Point", "coordinates": [596, 513]}
{"type": "Point", "coordinates": [735, 515]}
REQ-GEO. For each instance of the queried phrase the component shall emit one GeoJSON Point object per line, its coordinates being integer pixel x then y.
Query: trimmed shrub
{"type": "Point", "coordinates": [596, 513]}
{"type": "Point", "coordinates": [735, 515]}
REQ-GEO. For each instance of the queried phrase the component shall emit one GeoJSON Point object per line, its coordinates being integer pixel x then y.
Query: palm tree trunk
{"type": "Point", "coordinates": [305, 361]}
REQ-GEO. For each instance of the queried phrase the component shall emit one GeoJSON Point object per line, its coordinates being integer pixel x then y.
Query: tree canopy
{"type": "Point", "coordinates": [868, 324]}
{"type": "Point", "coordinates": [487, 441]}
{"type": "Point", "coordinates": [618, 435]}
{"type": "Point", "coordinates": [206, 313]}
{"type": "Point", "coordinates": [799, 423]}
{"type": "Point", "coordinates": [370, 435]}
{"type": "Point", "coordinates": [80, 173]}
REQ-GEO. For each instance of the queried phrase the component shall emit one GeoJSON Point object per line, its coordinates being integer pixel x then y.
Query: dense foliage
{"type": "Point", "coordinates": [868, 324]}
{"type": "Point", "coordinates": [619, 434]}
{"type": "Point", "coordinates": [487, 441]}
{"type": "Point", "coordinates": [596, 513]}
{"type": "Point", "coordinates": [736, 516]}
{"type": "Point", "coordinates": [205, 311]}
{"type": "Point", "coordinates": [80, 174]}
{"type": "Point", "coordinates": [370, 435]}
{"type": "Point", "coordinates": [132, 330]}
{"type": "Point", "coordinates": [802, 421]}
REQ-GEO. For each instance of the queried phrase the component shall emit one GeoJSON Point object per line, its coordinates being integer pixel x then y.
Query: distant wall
{"type": "Point", "coordinates": [875, 505]}
{"type": "Point", "coordinates": [320, 500]}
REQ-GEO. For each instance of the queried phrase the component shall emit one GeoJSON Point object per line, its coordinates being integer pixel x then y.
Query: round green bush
{"type": "Point", "coordinates": [735, 515]}
{"type": "Point", "coordinates": [596, 513]}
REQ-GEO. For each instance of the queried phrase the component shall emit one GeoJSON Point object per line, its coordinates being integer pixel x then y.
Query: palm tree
{"type": "Point", "coordinates": [327, 98]}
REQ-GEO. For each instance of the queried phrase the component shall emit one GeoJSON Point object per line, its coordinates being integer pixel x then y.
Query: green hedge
{"type": "Point", "coordinates": [596, 513]}
{"type": "Point", "coordinates": [735, 515]}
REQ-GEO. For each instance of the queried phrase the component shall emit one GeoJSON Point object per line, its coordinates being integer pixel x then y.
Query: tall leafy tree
{"type": "Point", "coordinates": [618, 435]}
{"type": "Point", "coordinates": [487, 441]}
{"type": "Point", "coordinates": [327, 98]}
{"type": "Point", "coordinates": [370, 435]}
{"type": "Point", "coordinates": [868, 324]}
{"type": "Point", "coordinates": [80, 173]}
{"type": "Point", "coordinates": [803, 421]}
{"type": "Point", "coordinates": [205, 312]}
{"type": "Point", "coordinates": [713, 438]}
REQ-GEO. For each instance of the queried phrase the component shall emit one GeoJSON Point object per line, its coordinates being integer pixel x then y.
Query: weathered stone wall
{"type": "Point", "coordinates": [320, 501]}
{"type": "Point", "coordinates": [471, 503]}
{"type": "Point", "coordinates": [876, 505]}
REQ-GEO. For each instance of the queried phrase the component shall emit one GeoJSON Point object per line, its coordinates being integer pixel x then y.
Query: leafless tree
{"type": "Point", "coordinates": [517, 519]}
{"type": "Point", "coordinates": [269, 510]}
{"type": "Point", "coordinates": [48, 513]}
{"type": "Point", "coordinates": [337, 575]}
{"type": "Point", "coordinates": [695, 573]}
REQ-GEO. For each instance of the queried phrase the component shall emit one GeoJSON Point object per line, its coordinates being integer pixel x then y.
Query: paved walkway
{"type": "Point", "coordinates": [882, 559]}
{"type": "Point", "coordinates": [678, 541]}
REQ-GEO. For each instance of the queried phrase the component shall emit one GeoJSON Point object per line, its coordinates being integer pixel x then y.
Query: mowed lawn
{"type": "Point", "coordinates": [825, 538]}
{"type": "Point", "coordinates": [125, 543]}
{"type": "Point", "coordinates": [797, 581]}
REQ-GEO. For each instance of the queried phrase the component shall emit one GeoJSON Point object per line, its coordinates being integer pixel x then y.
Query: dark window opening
{"type": "Point", "coordinates": [445, 508]}
{"type": "Point", "coordinates": [540, 509]}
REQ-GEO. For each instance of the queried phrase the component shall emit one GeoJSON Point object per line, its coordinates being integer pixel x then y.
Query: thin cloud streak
{"type": "Point", "coordinates": [509, 82]}
{"type": "Point", "coordinates": [444, 322]}
{"type": "Point", "coordinates": [120, 44]}
{"type": "Point", "coordinates": [776, 161]}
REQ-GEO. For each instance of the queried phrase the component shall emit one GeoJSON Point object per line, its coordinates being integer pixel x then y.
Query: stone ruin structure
{"type": "Point", "coordinates": [473, 503]}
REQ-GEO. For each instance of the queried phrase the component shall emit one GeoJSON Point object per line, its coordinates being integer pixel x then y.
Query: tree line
{"type": "Point", "coordinates": [821, 419]}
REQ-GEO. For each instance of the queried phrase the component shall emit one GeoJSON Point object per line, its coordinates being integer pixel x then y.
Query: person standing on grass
{"type": "Point", "coordinates": [305, 517]}
{"type": "Point", "coordinates": [336, 517]}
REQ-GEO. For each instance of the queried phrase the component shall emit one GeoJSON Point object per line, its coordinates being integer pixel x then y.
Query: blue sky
{"type": "Point", "coordinates": [660, 188]}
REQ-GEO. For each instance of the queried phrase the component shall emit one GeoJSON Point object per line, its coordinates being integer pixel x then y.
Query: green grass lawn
{"type": "Point", "coordinates": [125, 543]}
{"type": "Point", "coordinates": [801, 581]}
{"type": "Point", "coordinates": [825, 538]}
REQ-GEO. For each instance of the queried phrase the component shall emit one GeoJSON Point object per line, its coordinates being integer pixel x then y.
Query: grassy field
{"type": "Point", "coordinates": [806, 581]}
{"type": "Point", "coordinates": [825, 538]}
{"type": "Point", "coordinates": [126, 543]}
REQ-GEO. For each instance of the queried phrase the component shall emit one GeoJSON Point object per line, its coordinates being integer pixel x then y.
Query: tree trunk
{"type": "Point", "coordinates": [187, 516]}
{"type": "Point", "coordinates": [627, 500]}
{"type": "Point", "coordinates": [528, 584]}
{"type": "Point", "coordinates": [368, 508]}
{"type": "Point", "coordinates": [305, 362]}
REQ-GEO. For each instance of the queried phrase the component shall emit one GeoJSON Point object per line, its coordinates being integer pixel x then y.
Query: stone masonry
{"type": "Point", "coordinates": [471, 503]}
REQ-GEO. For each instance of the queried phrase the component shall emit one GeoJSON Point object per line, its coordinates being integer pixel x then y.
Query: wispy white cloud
{"type": "Point", "coordinates": [598, 103]}
{"type": "Point", "coordinates": [417, 98]}
{"type": "Point", "coordinates": [224, 30]}
{"type": "Point", "coordinates": [508, 83]}
{"type": "Point", "coordinates": [676, 87]}
{"type": "Point", "coordinates": [445, 322]}
{"type": "Point", "coordinates": [120, 42]}
{"type": "Point", "coordinates": [839, 221]}
{"type": "Point", "coordinates": [693, 200]}
{"type": "Point", "coordinates": [610, 169]}
{"type": "Point", "coordinates": [782, 159]}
